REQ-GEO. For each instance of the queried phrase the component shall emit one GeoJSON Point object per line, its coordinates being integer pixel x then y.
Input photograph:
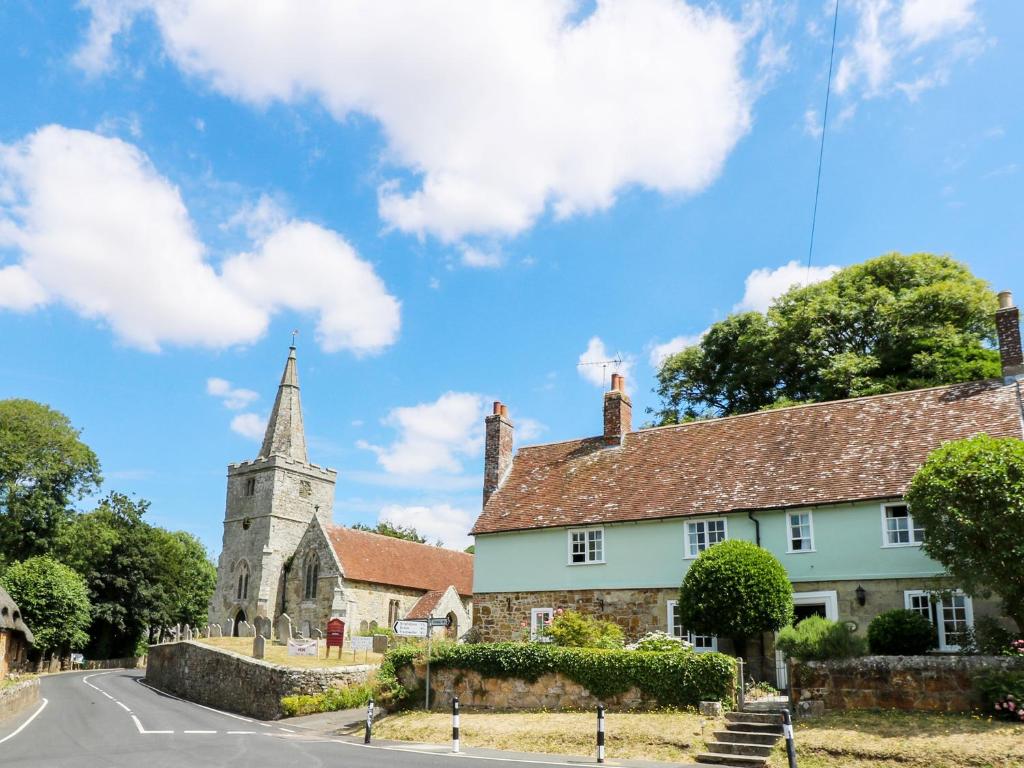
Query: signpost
{"type": "Point", "coordinates": [335, 636]}
{"type": "Point", "coordinates": [411, 628]}
{"type": "Point", "coordinates": [445, 622]}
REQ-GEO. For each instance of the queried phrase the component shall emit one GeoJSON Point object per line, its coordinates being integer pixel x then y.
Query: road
{"type": "Point", "coordinates": [112, 719]}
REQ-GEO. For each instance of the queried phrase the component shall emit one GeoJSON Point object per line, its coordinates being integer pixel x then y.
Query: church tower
{"type": "Point", "coordinates": [271, 500]}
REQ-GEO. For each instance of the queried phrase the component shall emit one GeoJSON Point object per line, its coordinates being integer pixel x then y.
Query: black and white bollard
{"type": "Point", "coordinates": [455, 724]}
{"type": "Point", "coordinates": [600, 733]}
{"type": "Point", "coordinates": [787, 731]}
{"type": "Point", "coordinates": [369, 722]}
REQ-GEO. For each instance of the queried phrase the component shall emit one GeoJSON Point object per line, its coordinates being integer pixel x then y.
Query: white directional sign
{"type": "Point", "coordinates": [442, 622]}
{"type": "Point", "coordinates": [416, 628]}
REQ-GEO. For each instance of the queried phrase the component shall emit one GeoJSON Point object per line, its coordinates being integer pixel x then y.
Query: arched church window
{"type": "Point", "coordinates": [243, 582]}
{"type": "Point", "coordinates": [312, 576]}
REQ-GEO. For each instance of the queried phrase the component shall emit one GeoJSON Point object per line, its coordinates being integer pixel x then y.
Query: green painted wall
{"type": "Point", "coordinates": [847, 540]}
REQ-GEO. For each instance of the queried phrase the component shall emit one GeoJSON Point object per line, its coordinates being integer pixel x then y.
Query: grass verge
{"type": "Point", "coordinates": [864, 739]}
{"type": "Point", "coordinates": [278, 654]}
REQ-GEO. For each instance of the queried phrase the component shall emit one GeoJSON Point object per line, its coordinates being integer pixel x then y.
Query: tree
{"type": "Point", "coordinates": [892, 323]}
{"type": "Point", "coordinates": [186, 579]}
{"type": "Point", "coordinates": [43, 468]}
{"type": "Point", "coordinates": [54, 602]}
{"type": "Point", "coordinates": [969, 498]}
{"type": "Point", "coordinates": [738, 590]}
{"type": "Point", "coordinates": [385, 528]}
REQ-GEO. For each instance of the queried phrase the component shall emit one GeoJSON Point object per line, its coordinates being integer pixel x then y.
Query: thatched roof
{"type": "Point", "coordinates": [10, 616]}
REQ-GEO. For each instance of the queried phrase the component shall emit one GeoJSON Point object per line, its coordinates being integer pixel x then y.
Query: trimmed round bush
{"type": "Point", "coordinates": [818, 639]}
{"type": "Point", "coordinates": [900, 633]}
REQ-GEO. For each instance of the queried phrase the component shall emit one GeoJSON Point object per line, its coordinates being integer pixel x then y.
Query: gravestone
{"type": "Point", "coordinates": [188, 633]}
{"type": "Point", "coordinates": [259, 644]}
{"type": "Point", "coordinates": [245, 629]}
{"type": "Point", "coordinates": [228, 627]}
{"type": "Point", "coordinates": [284, 628]}
{"type": "Point", "coordinates": [217, 632]}
{"type": "Point", "coordinates": [263, 626]}
{"type": "Point", "coordinates": [318, 634]}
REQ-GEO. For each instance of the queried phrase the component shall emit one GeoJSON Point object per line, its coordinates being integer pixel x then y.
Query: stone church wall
{"type": "Point", "coordinates": [234, 683]}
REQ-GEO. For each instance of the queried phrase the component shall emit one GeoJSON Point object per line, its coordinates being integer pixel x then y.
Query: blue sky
{"type": "Point", "coordinates": [454, 203]}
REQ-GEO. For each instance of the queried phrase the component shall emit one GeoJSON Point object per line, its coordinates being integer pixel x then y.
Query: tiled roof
{"type": "Point", "coordinates": [380, 559]}
{"type": "Point", "coordinates": [10, 616]}
{"type": "Point", "coordinates": [426, 604]}
{"type": "Point", "coordinates": [847, 450]}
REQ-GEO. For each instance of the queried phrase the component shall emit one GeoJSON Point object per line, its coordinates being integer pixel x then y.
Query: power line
{"type": "Point", "coordinates": [821, 147]}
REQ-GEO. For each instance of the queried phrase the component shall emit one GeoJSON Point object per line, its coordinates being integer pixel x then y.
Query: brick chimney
{"type": "Point", "coordinates": [618, 409]}
{"type": "Point", "coordinates": [1008, 331]}
{"type": "Point", "coordinates": [497, 448]}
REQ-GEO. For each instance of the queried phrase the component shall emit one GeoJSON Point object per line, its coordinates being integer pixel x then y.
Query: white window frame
{"type": "Point", "coordinates": [937, 616]}
{"type": "Point", "coordinates": [535, 614]}
{"type": "Point", "coordinates": [670, 608]}
{"type": "Point", "coordinates": [827, 596]}
{"type": "Point", "coordinates": [586, 541]}
{"type": "Point", "coordinates": [886, 544]}
{"type": "Point", "coordinates": [789, 532]}
{"type": "Point", "coordinates": [687, 554]}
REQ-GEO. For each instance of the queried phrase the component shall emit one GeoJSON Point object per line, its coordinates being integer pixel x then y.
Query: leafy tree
{"type": "Point", "coordinates": [186, 578]}
{"type": "Point", "coordinates": [573, 629]}
{"type": "Point", "coordinates": [969, 498]}
{"type": "Point", "coordinates": [736, 589]}
{"type": "Point", "coordinates": [53, 600]}
{"type": "Point", "coordinates": [892, 323]}
{"type": "Point", "coordinates": [470, 550]}
{"type": "Point", "coordinates": [385, 528]}
{"type": "Point", "coordinates": [43, 468]}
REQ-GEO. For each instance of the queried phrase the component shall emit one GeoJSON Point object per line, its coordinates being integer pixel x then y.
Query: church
{"type": "Point", "coordinates": [283, 555]}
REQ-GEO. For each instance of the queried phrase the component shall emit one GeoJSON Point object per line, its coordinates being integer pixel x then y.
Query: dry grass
{"type": "Point", "coordinates": [278, 654]}
{"type": "Point", "coordinates": [842, 740]}
{"type": "Point", "coordinates": [672, 736]}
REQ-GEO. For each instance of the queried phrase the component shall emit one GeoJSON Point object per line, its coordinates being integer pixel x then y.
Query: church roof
{"type": "Point", "coordinates": [10, 616]}
{"type": "Point", "coordinates": [380, 559]}
{"type": "Point", "coordinates": [285, 435]}
{"type": "Point", "coordinates": [426, 604]}
{"type": "Point", "coordinates": [825, 453]}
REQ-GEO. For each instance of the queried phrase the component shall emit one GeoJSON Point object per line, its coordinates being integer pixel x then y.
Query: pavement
{"type": "Point", "coordinates": [112, 719]}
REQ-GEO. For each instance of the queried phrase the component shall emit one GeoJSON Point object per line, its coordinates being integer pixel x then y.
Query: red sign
{"type": "Point", "coordinates": [335, 633]}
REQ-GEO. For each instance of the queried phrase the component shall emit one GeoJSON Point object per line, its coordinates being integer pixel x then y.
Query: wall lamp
{"type": "Point", "coordinates": [862, 596]}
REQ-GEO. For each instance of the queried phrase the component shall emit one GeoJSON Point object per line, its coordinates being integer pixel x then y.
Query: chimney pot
{"type": "Point", "coordinates": [1008, 332]}
{"type": "Point", "coordinates": [497, 407]}
{"type": "Point", "coordinates": [1005, 299]}
{"type": "Point", "coordinates": [504, 411]}
{"type": "Point", "coordinates": [618, 409]}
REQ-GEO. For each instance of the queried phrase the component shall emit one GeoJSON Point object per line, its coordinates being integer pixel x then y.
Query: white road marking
{"type": "Point", "coordinates": [198, 731]}
{"type": "Point", "coordinates": [24, 725]}
{"type": "Point", "coordinates": [143, 730]}
{"type": "Point", "coordinates": [241, 733]}
{"type": "Point", "coordinates": [140, 681]}
{"type": "Point", "coordinates": [122, 706]}
{"type": "Point", "coordinates": [289, 730]}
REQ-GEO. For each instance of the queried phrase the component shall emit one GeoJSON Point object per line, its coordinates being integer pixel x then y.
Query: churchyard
{"type": "Point", "coordinates": [278, 654]}
{"type": "Point", "coordinates": [859, 739]}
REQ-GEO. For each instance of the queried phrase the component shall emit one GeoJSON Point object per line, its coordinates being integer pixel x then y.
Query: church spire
{"type": "Point", "coordinates": [285, 435]}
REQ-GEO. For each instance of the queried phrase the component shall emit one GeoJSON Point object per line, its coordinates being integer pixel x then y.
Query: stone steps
{"type": "Point", "coordinates": [754, 717]}
{"type": "Point", "coordinates": [740, 748]}
{"type": "Point", "coordinates": [748, 737]}
{"type": "Point", "coordinates": [735, 761]}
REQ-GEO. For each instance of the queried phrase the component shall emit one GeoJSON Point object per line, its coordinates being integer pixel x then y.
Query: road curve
{"type": "Point", "coordinates": [112, 719]}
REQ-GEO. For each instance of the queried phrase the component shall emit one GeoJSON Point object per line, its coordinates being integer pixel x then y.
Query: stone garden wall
{"type": "Point", "coordinates": [234, 683]}
{"type": "Point", "coordinates": [15, 698]}
{"type": "Point", "coordinates": [552, 691]}
{"type": "Point", "coordinates": [927, 683]}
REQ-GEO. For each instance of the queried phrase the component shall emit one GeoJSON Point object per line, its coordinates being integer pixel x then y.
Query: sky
{"type": "Point", "coordinates": [455, 203]}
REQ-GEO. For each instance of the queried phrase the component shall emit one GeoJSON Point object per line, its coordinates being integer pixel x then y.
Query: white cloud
{"type": "Point", "coordinates": [97, 229]}
{"type": "Point", "coordinates": [433, 437]}
{"type": "Point", "coordinates": [474, 257]}
{"type": "Point", "coordinates": [677, 344]}
{"type": "Point", "coordinates": [592, 364]}
{"type": "Point", "coordinates": [762, 286]}
{"type": "Point", "coordinates": [234, 398]}
{"type": "Point", "coordinates": [498, 111]}
{"type": "Point", "coordinates": [437, 522]}
{"type": "Point", "coordinates": [258, 220]}
{"type": "Point", "coordinates": [250, 425]}
{"type": "Point", "coordinates": [529, 429]}
{"type": "Point", "coordinates": [887, 53]}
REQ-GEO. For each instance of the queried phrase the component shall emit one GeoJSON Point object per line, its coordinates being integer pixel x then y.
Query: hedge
{"type": "Point", "coordinates": [672, 679]}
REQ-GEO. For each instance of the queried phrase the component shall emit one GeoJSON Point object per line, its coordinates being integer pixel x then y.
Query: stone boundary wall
{"type": "Point", "coordinates": [234, 683]}
{"type": "Point", "coordinates": [131, 662]}
{"type": "Point", "coordinates": [17, 697]}
{"type": "Point", "coordinates": [924, 683]}
{"type": "Point", "coordinates": [551, 691]}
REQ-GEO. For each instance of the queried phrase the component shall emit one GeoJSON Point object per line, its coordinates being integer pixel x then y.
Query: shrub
{"type": "Point", "coordinates": [736, 589]}
{"type": "Point", "coordinates": [330, 701]}
{"type": "Point", "coordinates": [818, 639]}
{"type": "Point", "coordinates": [988, 637]}
{"type": "Point", "coordinates": [1002, 694]}
{"type": "Point", "coordinates": [386, 631]}
{"type": "Point", "coordinates": [670, 679]}
{"type": "Point", "coordinates": [900, 633]}
{"type": "Point", "coordinates": [572, 629]}
{"type": "Point", "coordinates": [659, 642]}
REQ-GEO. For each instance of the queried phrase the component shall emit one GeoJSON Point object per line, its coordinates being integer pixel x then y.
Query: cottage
{"type": "Point", "coordinates": [15, 636]}
{"type": "Point", "coordinates": [609, 524]}
{"type": "Point", "coordinates": [283, 556]}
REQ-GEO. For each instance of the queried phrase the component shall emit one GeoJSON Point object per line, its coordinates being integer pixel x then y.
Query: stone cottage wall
{"type": "Point", "coordinates": [234, 683]}
{"type": "Point", "coordinates": [926, 683]}
{"type": "Point", "coordinates": [552, 691]}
